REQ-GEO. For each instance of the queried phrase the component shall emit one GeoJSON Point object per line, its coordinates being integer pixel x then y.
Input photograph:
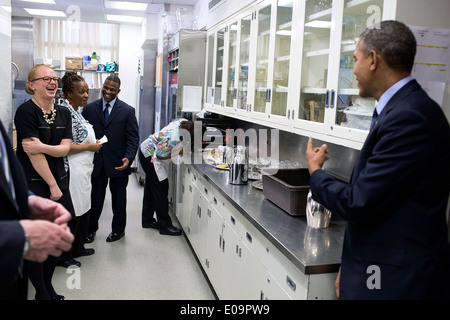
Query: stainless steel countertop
{"type": "Point", "coordinates": [312, 250]}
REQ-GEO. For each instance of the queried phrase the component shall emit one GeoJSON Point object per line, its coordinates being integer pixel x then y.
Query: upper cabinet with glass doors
{"type": "Point", "coordinates": [215, 70]}
{"type": "Point", "coordinates": [289, 64]}
{"type": "Point", "coordinates": [329, 101]}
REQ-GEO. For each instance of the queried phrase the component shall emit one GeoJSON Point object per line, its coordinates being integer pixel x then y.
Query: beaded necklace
{"type": "Point", "coordinates": [46, 115]}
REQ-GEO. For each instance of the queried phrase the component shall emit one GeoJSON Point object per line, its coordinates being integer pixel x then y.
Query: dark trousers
{"type": "Point", "coordinates": [82, 232]}
{"type": "Point", "coordinates": [118, 188]}
{"type": "Point", "coordinates": [155, 195]}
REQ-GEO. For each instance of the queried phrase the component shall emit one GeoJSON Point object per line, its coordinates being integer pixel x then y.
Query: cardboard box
{"type": "Point", "coordinates": [74, 63]}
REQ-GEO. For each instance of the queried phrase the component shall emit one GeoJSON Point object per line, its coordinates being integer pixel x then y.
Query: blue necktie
{"type": "Point", "coordinates": [106, 111]}
{"type": "Point", "coordinates": [374, 118]}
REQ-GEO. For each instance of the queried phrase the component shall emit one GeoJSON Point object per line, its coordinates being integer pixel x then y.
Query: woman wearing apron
{"type": "Point", "coordinates": [79, 164]}
{"type": "Point", "coordinates": [154, 155]}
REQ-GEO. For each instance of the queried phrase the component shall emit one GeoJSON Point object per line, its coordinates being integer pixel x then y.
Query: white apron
{"type": "Point", "coordinates": [161, 168]}
{"type": "Point", "coordinates": [81, 166]}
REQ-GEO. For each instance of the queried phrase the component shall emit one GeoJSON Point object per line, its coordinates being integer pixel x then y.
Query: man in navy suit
{"type": "Point", "coordinates": [396, 242]}
{"type": "Point", "coordinates": [116, 120]}
{"type": "Point", "coordinates": [20, 237]}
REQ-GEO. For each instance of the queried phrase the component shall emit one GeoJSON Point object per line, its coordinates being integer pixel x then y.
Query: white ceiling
{"type": "Point", "coordinates": [93, 10]}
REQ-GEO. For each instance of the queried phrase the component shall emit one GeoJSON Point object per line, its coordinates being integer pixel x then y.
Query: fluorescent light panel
{"type": "Point", "coordinates": [319, 24]}
{"type": "Point", "coordinates": [115, 17]}
{"type": "Point", "coordinates": [41, 1]}
{"type": "Point", "coordinates": [122, 5]}
{"type": "Point", "coordinates": [47, 13]}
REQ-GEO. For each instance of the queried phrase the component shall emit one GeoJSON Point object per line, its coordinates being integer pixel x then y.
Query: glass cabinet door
{"type": "Point", "coordinates": [353, 111]}
{"type": "Point", "coordinates": [231, 65]}
{"type": "Point", "coordinates": [315, 60]}
{"type": "Point", "coordinates": [244, 57]}
{"type": "Point", "coordinates": [210, 70]}
{"type": "Point", "coordinates": [281, 63]}
{"type": "Point", "coordinates": [262, 59]}
{"type": "Point", "coordinates": [219, 66]}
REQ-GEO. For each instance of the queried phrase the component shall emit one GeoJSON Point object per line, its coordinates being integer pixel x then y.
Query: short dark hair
{"type": "Point", "coordinates": [113, 78]}
{"type": "Point", "coordinates": [394, 41]}
{"type": "Point", "coordinates": [189, 125]}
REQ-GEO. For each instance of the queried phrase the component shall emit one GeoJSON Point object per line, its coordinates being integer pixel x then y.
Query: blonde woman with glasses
{"type": "Point", "coordinates": [44, 136]}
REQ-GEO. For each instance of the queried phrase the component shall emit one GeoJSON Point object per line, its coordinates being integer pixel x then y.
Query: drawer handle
{"type": "Point", "coordinates": [291, 283]}
{"type": "Point", "coordinates": [249, 237]}
{"type": "Point", "coordinates": [233, 220]}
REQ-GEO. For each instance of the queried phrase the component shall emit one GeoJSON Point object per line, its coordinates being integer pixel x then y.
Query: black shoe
{"type": "Point", "coordinates": [114, 236]}
{"type": "Point", "coordinates": [171, 231]}
{"type": "Point", "coordinates": [153, 224]}
{"type": "Point", "coordinates": [90, 237]}
{"type": "Point", "coordinates": [85, 252]}
{"type": "Point", "coordinates": [68, 263]}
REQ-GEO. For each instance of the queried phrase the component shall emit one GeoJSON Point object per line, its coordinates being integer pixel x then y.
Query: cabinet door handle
{"type": "Point", "coordinates": [293, 112]}
{"type": "Point", "coordinates": [223, 245]}
{"type": "Point", "coordinates": [215, 200]}
{"type": "Point", "coordinates": [249, 237]}
{"type": "Point", "coordinates": [237, 249]}
{"type": "Point", "coordinates": [190, 188]}
{"type": "Point", "coordinates": [289, 114]}
{"type": "Point", "coordinates": [208, 213]}
{"type": "Point", "coordinates": [220, 241]}
{"type": "Point", "coordinates": [206, 191]}
{"type": "Point", "coordinates": [291, 283]}
{"type": "Point", "coordinates": [233, 221]}
{"type": "Point", "coordinates": [332, 99]}
{"type": "Point", "coordinates": [234, 93]}
{"type": "Point", "coordinates": [327, 99]}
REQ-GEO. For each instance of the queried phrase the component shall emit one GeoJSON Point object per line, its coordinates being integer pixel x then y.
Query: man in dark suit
{"type": "Point", "coordinates": [116, 120]}
{"type": "Point", "coordinates": [20, 237]}
{"type": "Point", "coordinates": [396, 243]}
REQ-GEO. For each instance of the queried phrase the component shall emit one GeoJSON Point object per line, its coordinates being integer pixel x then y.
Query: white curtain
{"type": "Point", "coordinates": [58, 39]}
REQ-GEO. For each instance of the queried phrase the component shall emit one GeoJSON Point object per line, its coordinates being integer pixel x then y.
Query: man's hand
{"type": "Point", "coordinates": [46, 209]}
{"type": "Point", "coordinates": [315, 157]}
{"type": "Point", "coordinates": [46, 238]}
{"type": "Point", "coordinates": [125, 164]}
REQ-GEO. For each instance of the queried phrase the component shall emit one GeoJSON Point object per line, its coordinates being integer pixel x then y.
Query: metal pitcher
{"type": "Point", "coordinates": [317, 216]}
{"type": "Point", "coordinates": [239, 166]}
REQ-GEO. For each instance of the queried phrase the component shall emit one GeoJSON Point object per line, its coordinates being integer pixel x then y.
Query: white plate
{"type": "Point", "coordinates": [258, 184]}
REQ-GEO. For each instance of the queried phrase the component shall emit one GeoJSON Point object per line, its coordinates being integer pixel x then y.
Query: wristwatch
{"type": "Point", "coordinates": [26, 246]}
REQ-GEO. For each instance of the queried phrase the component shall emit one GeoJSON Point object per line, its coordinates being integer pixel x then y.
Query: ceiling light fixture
{"type": "Point", "coordinates": [119, 18]}
{"type": "Point", "coordinates": [47, 13]}
{"type": "Point", "coordinates": [122, 5]}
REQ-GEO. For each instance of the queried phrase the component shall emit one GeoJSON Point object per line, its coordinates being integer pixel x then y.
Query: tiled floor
{"type": "Point", "coordinates": [142, 265]}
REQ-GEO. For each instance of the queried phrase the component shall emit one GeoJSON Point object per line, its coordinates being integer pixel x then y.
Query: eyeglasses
{"type": "Point", "coordinates": [47, 79]}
